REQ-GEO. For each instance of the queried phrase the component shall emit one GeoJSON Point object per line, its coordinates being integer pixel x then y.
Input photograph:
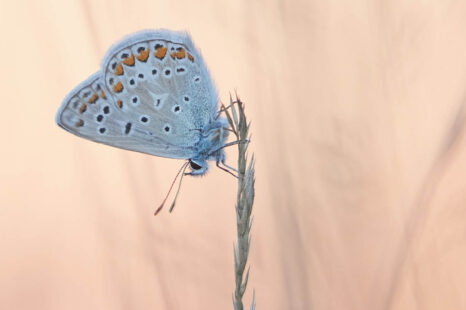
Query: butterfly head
{"type": "Point", "coordinates": [209, 147]}
{"type": "Point", "coordinates": [198, 167]}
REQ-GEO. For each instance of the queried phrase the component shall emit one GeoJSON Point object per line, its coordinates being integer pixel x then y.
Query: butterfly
{"type": "Point", "coordinates": [153, 94]}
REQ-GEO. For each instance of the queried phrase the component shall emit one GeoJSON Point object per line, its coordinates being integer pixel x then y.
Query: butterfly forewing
{"type": "Point", "coordinates": [163, 80]}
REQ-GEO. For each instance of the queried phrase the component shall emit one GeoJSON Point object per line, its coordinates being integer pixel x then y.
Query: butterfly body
{"type": "Point", "coordinates": [154, 95]}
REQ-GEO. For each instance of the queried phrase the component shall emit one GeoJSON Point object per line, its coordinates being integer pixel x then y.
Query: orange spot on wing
{"type": "Point", "coordinates": [119, 69]}
{"type": "Point", "coordinates": [143, 55]}
{"type": "Point", "coordinates": [190, 57]}
{"type": "Point", "coordinates": [129, 61]}
{"type": "Point", "coordinates": [180, 54]}
{"type": "Point", "coordinates": [79, 123]}
{"type": "Point", "coordinates": [82, 108]}
{"type": "Point", "coordinates": [120, 103]}
{"type": "Point", "coordinates": [93, 99]}
{"type": "Point", "coordinates": [118, 87]}
{"type": "Point", "coordinates": [102, 95]}
{"type": "Point", "coordinates": [160, 52]}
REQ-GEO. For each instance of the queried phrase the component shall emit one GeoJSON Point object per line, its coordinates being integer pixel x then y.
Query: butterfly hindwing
{"type": "Point", "coordinates": [160, 74]}
{"type": "Point", "coordinates": [153, 94]}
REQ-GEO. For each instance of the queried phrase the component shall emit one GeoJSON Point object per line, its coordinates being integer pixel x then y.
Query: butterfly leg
{"type": "Point", "coordinates": [229, 144]}
{"type": "Point", "coordinates": [226, 170]}
{"type": "Point", "coordinates": [227, 166]}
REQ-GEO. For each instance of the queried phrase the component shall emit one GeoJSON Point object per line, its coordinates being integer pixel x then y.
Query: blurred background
{"type": "Point", "coordinates": [357, 111]}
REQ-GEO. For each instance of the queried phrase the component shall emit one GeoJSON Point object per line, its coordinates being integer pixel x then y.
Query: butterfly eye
{"type": "Point", "coordinates": [194, 166]}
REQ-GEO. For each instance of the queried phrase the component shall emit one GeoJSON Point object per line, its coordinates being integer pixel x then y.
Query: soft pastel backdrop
{"type": "Point", "coordinates": [358, 129]}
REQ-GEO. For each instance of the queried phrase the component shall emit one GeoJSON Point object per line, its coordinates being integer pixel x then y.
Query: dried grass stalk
{"type": "Point", "coordinates": [244, 201]}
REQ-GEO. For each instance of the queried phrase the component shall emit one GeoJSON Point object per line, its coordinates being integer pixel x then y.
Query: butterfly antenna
{"type": "Point", "coordinates": [179, 186]}
{"type": "Point", "coordinates": [183, 168]}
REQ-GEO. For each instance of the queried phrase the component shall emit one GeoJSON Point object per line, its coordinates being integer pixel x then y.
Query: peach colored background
{"type": "Point", "coordinates": [358, 114]}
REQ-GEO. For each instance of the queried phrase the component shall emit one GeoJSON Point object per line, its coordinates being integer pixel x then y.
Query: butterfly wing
{"type": "Point", "coordinates": [152, 95]}
{"type": "Point", "coordinates": [88, 112]}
